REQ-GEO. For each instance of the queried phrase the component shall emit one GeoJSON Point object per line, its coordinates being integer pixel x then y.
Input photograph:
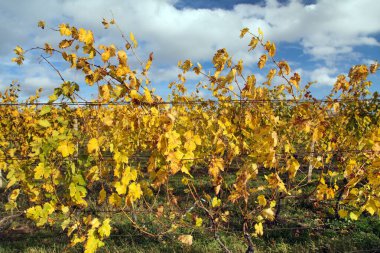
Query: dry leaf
{"type": "Point", "coordinates": [186, 239]}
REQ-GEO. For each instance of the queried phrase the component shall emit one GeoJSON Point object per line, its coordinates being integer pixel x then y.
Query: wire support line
{"type": "Point", "coordinates": [99, 103]}
{"type": "Point", "coordinates": [110, 157]}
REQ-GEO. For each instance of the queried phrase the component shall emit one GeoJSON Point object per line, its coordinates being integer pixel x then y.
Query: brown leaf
{"type": "Point", "coordinates": [160, 211]}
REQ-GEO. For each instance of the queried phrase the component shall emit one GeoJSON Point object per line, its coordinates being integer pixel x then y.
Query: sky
{"type": "Point", "coordinates": [319, 38]}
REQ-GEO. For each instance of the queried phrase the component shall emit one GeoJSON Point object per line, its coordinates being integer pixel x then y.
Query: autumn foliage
{"type": "Point", "coordinates": [256, 144]}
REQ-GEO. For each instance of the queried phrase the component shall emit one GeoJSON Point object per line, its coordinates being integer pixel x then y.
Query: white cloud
{"type": "Point", "coordinates": [170, 74]}
{"type": "Point", "coordinates": [323, 76]}
{"type": "Point", "coordinates": [325, 30]}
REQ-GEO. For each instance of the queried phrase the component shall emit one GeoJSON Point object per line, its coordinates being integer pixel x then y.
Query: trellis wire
{"type": "Point", "coordinates": [99, 103]}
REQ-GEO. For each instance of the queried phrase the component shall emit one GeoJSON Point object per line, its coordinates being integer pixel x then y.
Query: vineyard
{"type": "Point", "coordinates": [234, 161]}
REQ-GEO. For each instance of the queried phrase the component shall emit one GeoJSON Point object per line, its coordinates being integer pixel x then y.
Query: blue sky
{"type": "Point", "coordinates": [320, 38]}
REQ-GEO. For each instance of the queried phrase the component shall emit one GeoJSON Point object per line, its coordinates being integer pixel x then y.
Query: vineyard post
{"type": "Point", "coordinates": [310, 171]}
{"type": "Point", "coordinates": [1, 179]}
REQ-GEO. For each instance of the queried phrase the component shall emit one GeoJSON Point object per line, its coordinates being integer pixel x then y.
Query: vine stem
{"type": "Point", "coordinates": [56, 70]}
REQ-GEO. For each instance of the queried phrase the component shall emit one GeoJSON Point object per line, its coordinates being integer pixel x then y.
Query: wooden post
{"type": "Point", "coordinates": [310, 172]}
{"type": "Point", "coordinates": [1, 178]}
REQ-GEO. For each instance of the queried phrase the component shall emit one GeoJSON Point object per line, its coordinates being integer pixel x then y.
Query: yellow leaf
{"type": "Point", "coordinates": [45, 110]}
{"type": "Point", "coordinates": [105, 23]}
{"type": "Point", "coordinates": [243, 32]}
{"type": "Point", "coordinates": [18, 50]}
{"type": "Point", "coordinates": [44, 123]}
{"type": "Point", "coordinates": [230, 77]}
{"type": "Point", "coordinates": [295, 80]}
{"type": "Point", "coordinates": [41, 24]}
{"type": "Point", "coordinates": [198, 69]}
{"type": "Point", "coordinates": [120, 188]}
{"type": "Point", "coordinates": [75, 239]}
{"type": "Point", "coordinates": [62, 44]}
{"type": "Point", "coordinates": [240, 67]}
{"type": "Point", "coordinates": [374, 67]}
{"type": "Point", "coordinates": [354, 215]}
{"type": "Point", "coordinates": [95, 223]}
{"type": "Point", "coordinates": [190, 145]}
{"type": "Point", "coordinates": [147, 95]}
{"type": "Point", "coordinates": [186, 65]}
{"type": "Point", "coordinates": [215, 202]}
{"type": "Point", "coordinates": [270, 76]}
{"type": "Point", "coordinates": [262, 61]}
{"type": "Point", "coordinates": [317, 134]}
{"type": "Point", "coordinates": [104, 91]}
{"type": "Point", "coordinates": [148, 64]}
{"type": "Point", "coordinates": [53, 98]}
{"type": "Point", "coordinates": [102, 196]}
{"type": "Point", "coordinates": [65, 223]}
{"type": "Point", "coordinates": [122, 56]}
{"type": "Point", "coordinates": [160, 211]}
{"type": "Point", "coordinates": [198, 222]}
{"type": "Point", "coordinates": [292, 167]}
{"type": "Point", "coordinates": [65, 209]}
{"type": "Point", "coordinates": [134, 192]}
{"type": "Point", "coordinates": [253, 43]}
{"type": "Point", "coordinates": [92, 242]}
{"type": "Point", "coordinates": [13, 196]}
{"type": "Point", "coordinates": [284, 66]}
{"type": "Point", "coordinates": [66, 148]}
{"type": "Point", "coordinates": [186, 239]}
{"type": "Point", "coordinates": [287, 148]}
{"type": "Point", "coordinates": [108, 121]}
{"type": "Point", "coordinates": [197, 139]}
{"type": "Point", "coordinates": [106, 55]}
{"type": "Point", "coordinates": [268, 214]}
{"type": "Point", "coordinates": [19, 60]}
{"type": "Point", "coordinates": [114, 200]}
{"type": "Point", "coordinates": [185, 181]}
{"type": "Point", "coordinates": [342, 213]}
{"type": "Point", "coordinates": [271, 48]}
{"type": "Point", "coordinates": [93, 145]}
{"type": "Point", "coordinates": [105, 228]}
{"type": "Point", "coordinates": [215, 167]}
{"type": "Point", "coordinates": [64, 29]}
{"type": "Point", "coordinates": [134, 94]}
{"type": "Point", "coordinates": [86, 36]}
{"type": "Point", "coordinates": [371, 207]}
{"type": "Point", "coordinates": [41, 171]}
{"type": "Point", "coordinates": [260, 32]}
{"type": "Point", "coordinates": [133, 39]}
{"type": "Point", "coordinates": [262, 201]}
{"type": "Point", "coordinates": [186, 171]}
{"type": "Point", "coordinates": [259, 229]}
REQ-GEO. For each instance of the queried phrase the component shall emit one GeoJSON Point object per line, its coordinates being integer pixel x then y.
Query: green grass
{"type": "Point", "coordinates": [336, 236]}
{"type": "Point", "coordinates": [302, 227]}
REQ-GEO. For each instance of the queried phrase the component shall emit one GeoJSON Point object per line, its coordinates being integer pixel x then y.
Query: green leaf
{"type": "Point", "coordinates": [44, 123]}
{"type": "Point", "coordinates": [45, 110]}
{"type": "Point", "coordinates": [53, 98]}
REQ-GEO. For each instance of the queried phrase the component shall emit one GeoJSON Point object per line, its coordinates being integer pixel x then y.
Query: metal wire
{"type": "Point", "coordinates": [109, 157]}
{"type": "Point", "coordinates": [297, 101]}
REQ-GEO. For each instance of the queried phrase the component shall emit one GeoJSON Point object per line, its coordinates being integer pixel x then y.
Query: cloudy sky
{"type": "Point", "coordinates": [320, 38]}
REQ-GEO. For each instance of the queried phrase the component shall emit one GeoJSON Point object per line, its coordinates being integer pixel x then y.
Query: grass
{"type": "Point", "coordinates": [302, 227]}
{"type": "Point", "coordinates": [343, 236]}
{"type": "Point", "coordinates": [336, 236]}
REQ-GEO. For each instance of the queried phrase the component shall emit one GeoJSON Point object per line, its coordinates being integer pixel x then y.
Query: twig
{"type": "Point", "coordinates": [56, 70]}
